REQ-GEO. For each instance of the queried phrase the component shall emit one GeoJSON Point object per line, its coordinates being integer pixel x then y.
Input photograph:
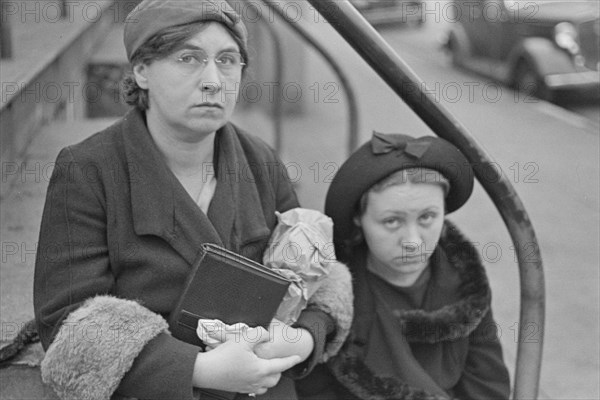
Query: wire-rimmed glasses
{"type": "Point", "coordinates": [192, 61]}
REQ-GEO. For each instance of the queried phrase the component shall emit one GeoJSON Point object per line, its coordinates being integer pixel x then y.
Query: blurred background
{"type": "Point", "coordinates": [522, 76]}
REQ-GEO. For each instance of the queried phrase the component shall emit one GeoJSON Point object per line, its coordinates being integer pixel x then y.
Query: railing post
{"type": "Point", "coordinates": [5, 34]}
{"type": "Point", "coordinates": [64, 10]}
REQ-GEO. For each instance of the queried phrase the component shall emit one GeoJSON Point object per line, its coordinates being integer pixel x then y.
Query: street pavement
{"type": "Point", "coordinates": [550, 155]}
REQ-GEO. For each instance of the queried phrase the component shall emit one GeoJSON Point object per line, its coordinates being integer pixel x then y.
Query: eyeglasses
{"type": "Point", "coordinates": [195, 61]}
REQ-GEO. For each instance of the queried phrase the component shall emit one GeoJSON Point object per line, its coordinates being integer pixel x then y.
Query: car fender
{"type": "Point", "coordinates": [543, 55]}
{"type": "Point", "coordinates": [457, 36]}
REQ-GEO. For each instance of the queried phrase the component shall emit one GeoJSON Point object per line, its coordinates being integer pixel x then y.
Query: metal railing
{"type": "Point", "coordinates": [343, 78]}
{"type": "Point", "coordinates": [277, 109]}
{"type": "Point", "coordinates": [390, 67]}
{"type": "Point", "coordinates": [5, 33]}
{"type": "Point", "coordinates": [6, 45]}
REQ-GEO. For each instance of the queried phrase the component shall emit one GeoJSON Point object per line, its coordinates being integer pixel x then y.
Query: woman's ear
{"type": "Point", "coordinates": [140, 72]}
{"type": "Point", "coordinates": [356, 220]}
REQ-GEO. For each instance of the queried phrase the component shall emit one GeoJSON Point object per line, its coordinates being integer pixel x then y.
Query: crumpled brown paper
{"type": "Point", "coordinates": [300, 248]}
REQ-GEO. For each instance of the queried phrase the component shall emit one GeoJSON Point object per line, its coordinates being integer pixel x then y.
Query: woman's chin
{"type": "Point", "coordinates": [206, 125]}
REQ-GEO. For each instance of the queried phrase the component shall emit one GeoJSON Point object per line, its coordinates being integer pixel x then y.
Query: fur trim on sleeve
{"type": "Point", "coordinates": [96, 345]}
{"type": "Point", "coordinates": [335, 297]}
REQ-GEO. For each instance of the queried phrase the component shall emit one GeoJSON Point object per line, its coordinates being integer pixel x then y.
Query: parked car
{"type": "Point", "coordinates": [380, 12]}
{"type": "Point", "coordinates": [539, 47]}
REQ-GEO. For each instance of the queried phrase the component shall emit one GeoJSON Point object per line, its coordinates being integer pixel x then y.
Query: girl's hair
{"type": "Point", "coordinates": [402, 177]}
{"type": "Point", "coordinates": [159, 46]}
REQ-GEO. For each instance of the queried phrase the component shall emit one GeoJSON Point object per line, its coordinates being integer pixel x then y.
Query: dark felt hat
{"type": "Point", "coordinates": [388, 153]}
{"type": "Point", "coordinates": [151, 16]}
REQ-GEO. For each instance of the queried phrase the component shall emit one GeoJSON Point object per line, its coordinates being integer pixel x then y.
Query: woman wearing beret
{"type": "Point", "coordinates": [423, 327]}
{"type": "Point", "coordinates": [128, 209]}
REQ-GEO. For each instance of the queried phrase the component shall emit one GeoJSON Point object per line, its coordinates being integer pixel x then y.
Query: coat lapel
{"type": "Point", "coordinates": [160, 205]}
{"type": "Point", "coordinates": [236, 209]}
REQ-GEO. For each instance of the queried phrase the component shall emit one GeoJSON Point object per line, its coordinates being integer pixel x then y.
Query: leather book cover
{"type": "Point", "coordinates": [226, 286]}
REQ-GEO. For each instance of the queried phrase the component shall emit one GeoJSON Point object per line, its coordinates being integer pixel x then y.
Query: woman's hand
{"type": "Point", "coordinates": [285, 341]}
{"type": "Point", "coordinates": [233, 366]}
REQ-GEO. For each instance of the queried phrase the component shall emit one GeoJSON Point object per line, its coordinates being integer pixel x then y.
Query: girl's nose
{"type": "Point", "coordinates": [411, 239]}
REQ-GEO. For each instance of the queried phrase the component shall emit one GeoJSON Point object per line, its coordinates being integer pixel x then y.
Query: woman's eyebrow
{"type": "Point", "coordinates": [191, 46]}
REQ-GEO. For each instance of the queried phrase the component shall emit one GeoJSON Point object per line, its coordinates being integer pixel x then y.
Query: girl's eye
{"type": "Point", "coordinates": [391, 223]}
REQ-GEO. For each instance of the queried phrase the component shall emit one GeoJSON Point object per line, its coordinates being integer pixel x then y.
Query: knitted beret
{"type": "Point", "coordinates": [388, 153]}
{"type": "Point", "coordinates": [151, 16]}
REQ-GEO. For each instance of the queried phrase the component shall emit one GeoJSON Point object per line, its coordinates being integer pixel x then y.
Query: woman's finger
{"type": "Point", "coordinates": [254, 336]}
{"type": "Point", "coordinates": [277, 365]}
{"type": "Point", "coordinates": [271, 380]}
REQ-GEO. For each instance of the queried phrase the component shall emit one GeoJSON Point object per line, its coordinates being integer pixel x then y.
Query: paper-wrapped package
{"type": "Point", "coordinates": [300, 248]}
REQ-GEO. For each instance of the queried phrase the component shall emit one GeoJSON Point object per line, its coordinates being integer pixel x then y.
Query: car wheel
{"type": "Point", "coordinates": [528, 81]}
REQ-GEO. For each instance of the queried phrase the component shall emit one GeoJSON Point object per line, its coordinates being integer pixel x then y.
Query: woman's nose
{"type": "Point", "coordinates": [210, 78]}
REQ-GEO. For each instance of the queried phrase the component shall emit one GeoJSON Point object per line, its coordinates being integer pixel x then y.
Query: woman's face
{"type": "Point", "coordinates": [402, 225]}
{"type": "Point", "coordinates": [186, 97]}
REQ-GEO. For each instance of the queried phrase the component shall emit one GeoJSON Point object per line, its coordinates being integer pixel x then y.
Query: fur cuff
{"type": "Point", "coordinates": [335, 297]}
{"type": "Point", "coordinates": [96, 346]}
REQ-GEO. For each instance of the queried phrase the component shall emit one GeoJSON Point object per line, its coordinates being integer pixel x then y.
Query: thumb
{"type": "Point", "coordinates": [277, 365]}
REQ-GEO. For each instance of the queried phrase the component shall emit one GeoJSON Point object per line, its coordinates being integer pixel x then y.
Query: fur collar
{"type": "Point", "coordinates": [357, 379]}
{"type": "Point", "coordinates": [449, 322]}
{"type": "Point", "coordinates": [459, 319]}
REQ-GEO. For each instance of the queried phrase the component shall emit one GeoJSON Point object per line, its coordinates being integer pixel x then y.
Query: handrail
{"type": "Point", "coordinates": [344, 81]}
{"type": "Point", "coordinates": [5, 37]}
{"type": "Point", "coordinates": [382, 58]}
{"type": "Point", "coordinates": [278, 57]}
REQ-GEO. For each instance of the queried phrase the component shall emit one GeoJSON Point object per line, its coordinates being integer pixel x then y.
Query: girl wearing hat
{"type": "Point", "coordinates": [128, 209]}
{"type": "Point", "coordinates": [423, 326]}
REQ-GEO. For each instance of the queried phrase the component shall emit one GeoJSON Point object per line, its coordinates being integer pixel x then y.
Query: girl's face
{"type": "Point", "coordinates": [188, 97]}
{"type": "Point", "coordinates": [402, 225]}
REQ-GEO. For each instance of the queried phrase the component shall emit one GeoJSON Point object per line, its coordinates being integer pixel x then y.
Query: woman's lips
{"type": "Point", "coordinates": [209, 105]}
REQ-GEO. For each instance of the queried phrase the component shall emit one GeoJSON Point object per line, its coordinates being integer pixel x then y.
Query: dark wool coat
{"type": "Point", "coordinates": [118, 225]}
{"type": "Point", "coordinates": [453, 338]}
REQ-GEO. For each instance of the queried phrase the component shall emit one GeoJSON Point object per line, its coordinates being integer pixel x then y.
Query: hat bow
{"type": "Point", "coordinates": [382, 143]}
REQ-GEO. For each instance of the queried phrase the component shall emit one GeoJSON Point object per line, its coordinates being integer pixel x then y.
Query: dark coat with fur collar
{"type": "Point", "coordinates": [453, 338]}
{"type": "Point", "coordinates": [117, 225]}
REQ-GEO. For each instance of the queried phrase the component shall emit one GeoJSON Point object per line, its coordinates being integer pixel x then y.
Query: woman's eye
{"type": "Point", "coordinates": [428, 217]}
{"type": "Point", "coordinates": [226, 59]}
{"type": "Point", "coordinates": [188, 58]}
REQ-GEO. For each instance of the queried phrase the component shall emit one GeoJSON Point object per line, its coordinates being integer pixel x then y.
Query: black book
{"type": "Point", "coordinates": [227, 286]}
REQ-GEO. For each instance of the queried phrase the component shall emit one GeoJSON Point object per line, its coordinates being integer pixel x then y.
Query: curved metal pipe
{"type": "Point", "coordinates": [277, 107]}
{"type": "Point", "coordinates": [382, 58]}
{"type": "Point", "coordinates": [344, 81]}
